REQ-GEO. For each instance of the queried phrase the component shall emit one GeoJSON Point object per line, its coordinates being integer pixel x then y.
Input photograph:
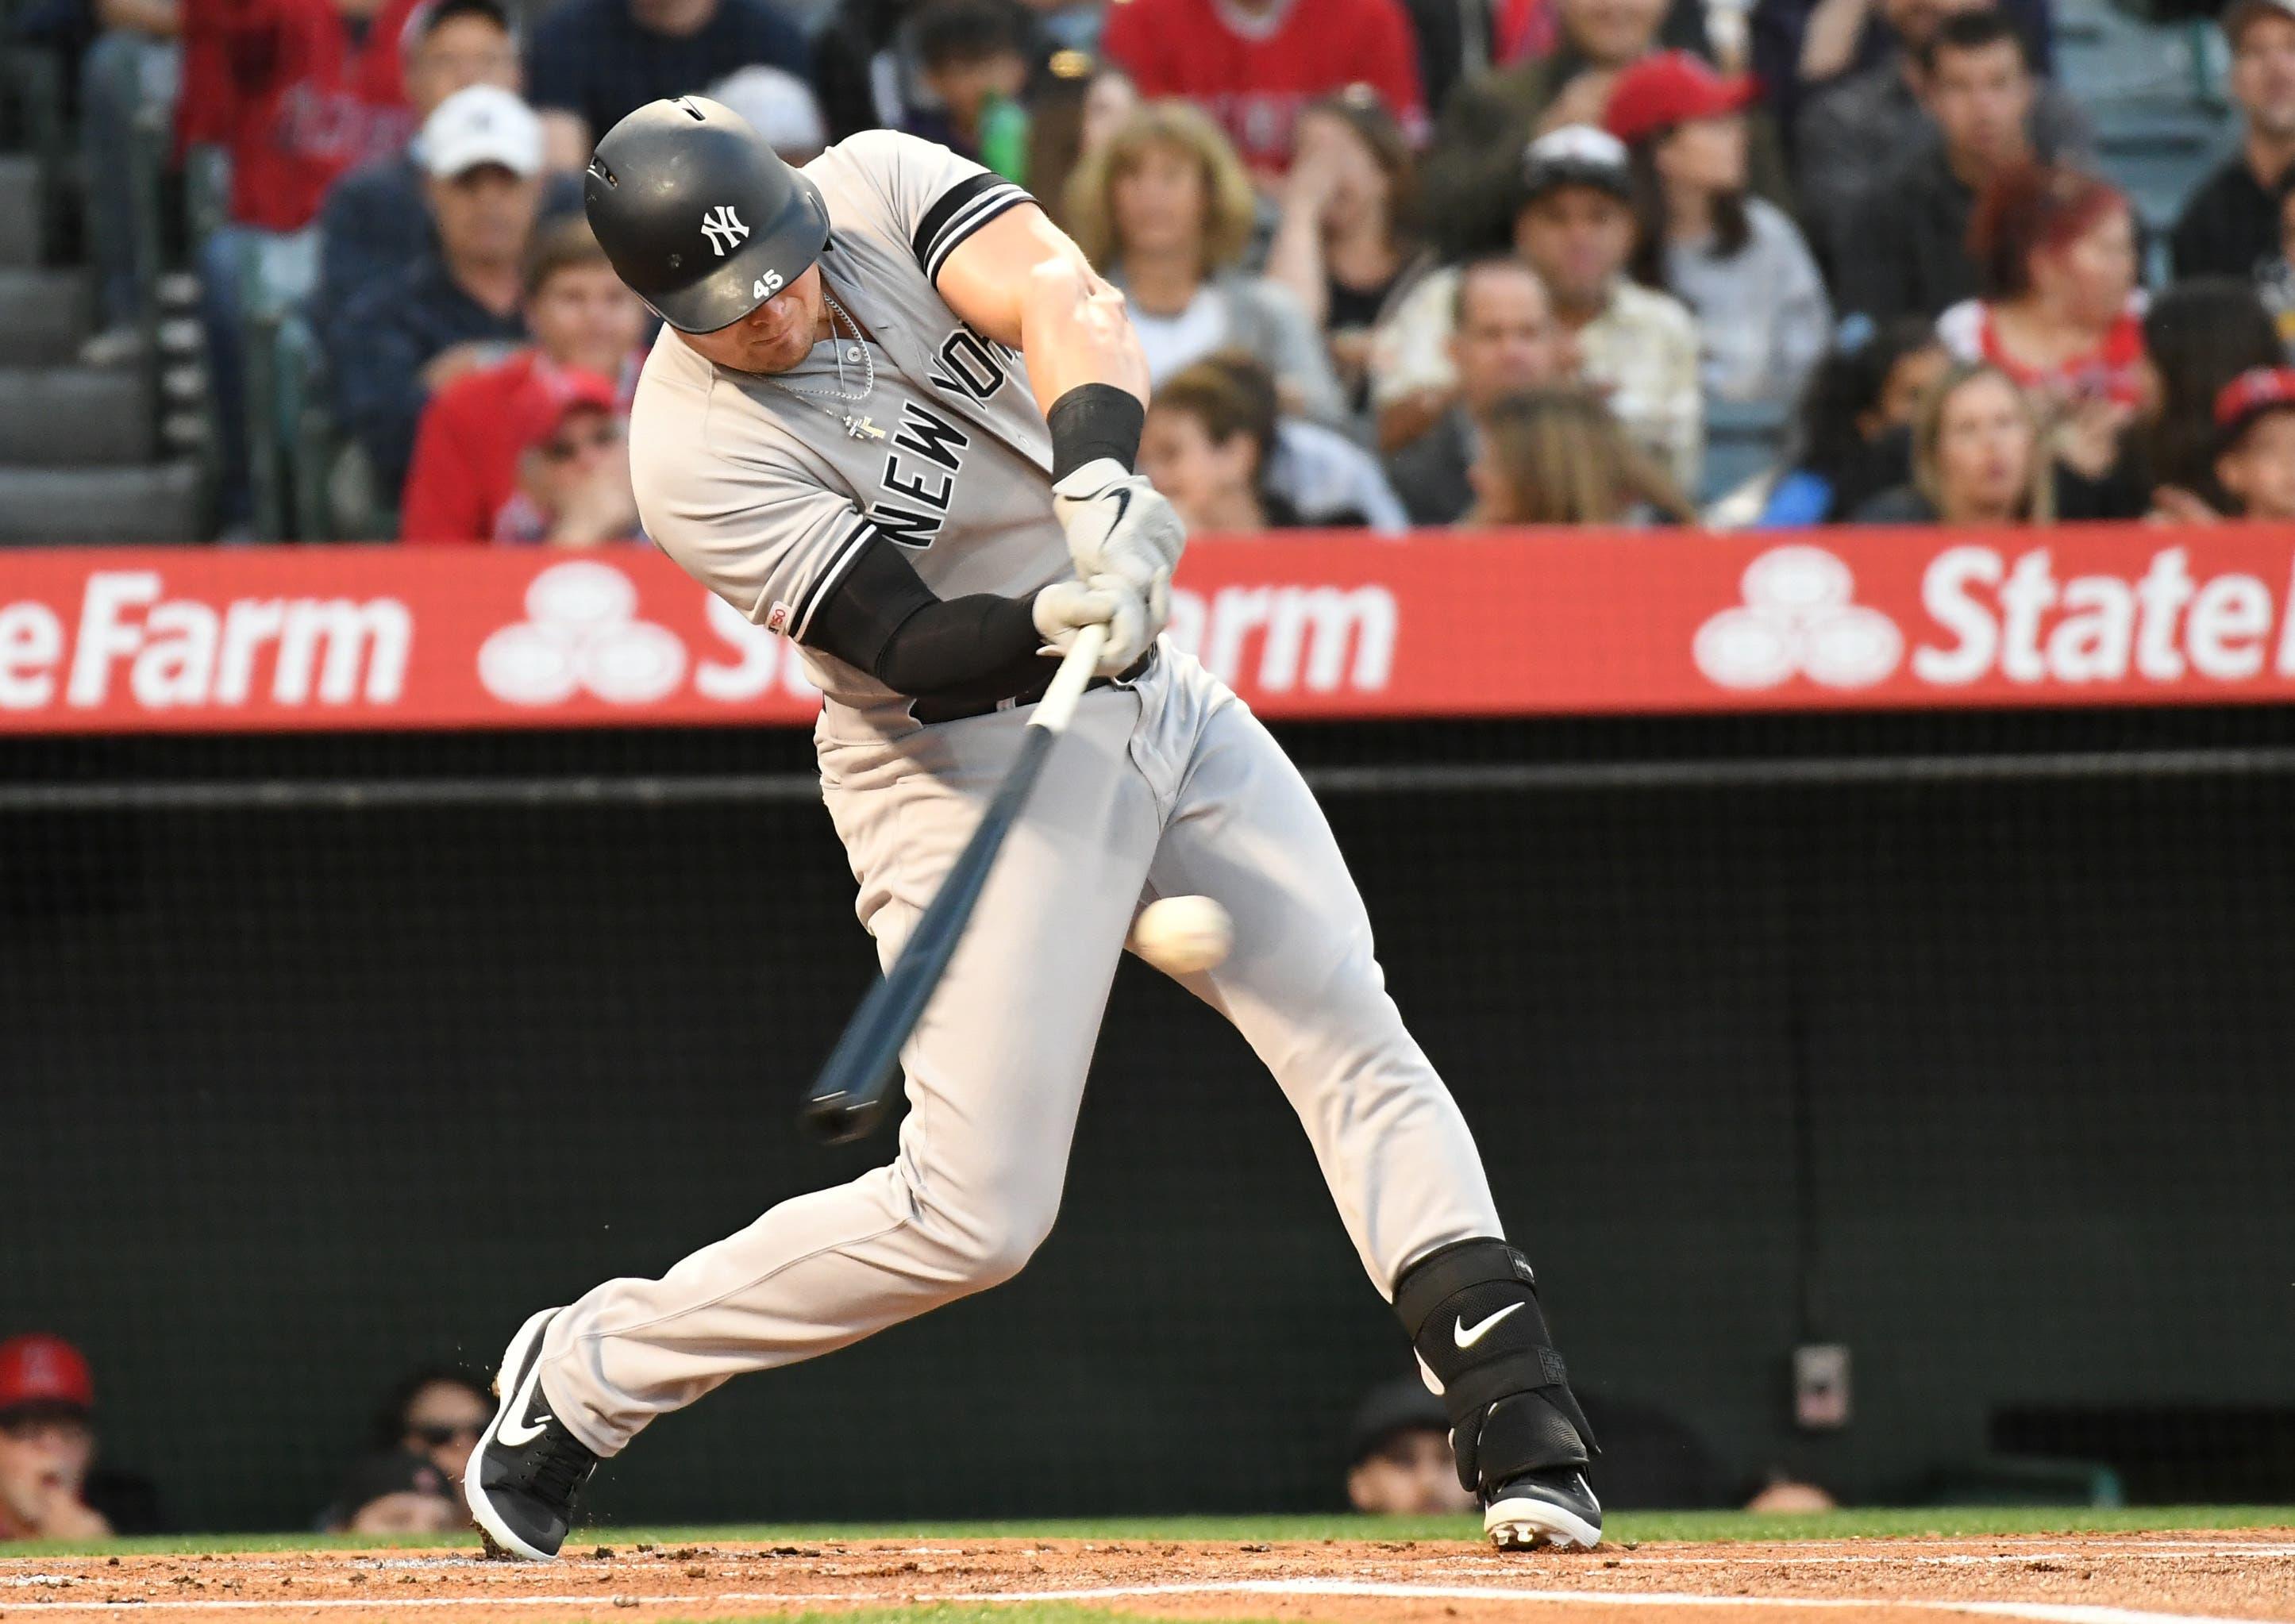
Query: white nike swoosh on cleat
{"type": "Point", "coordinates": [516, 1434]}
{"type": "Point", "coordinates": [1466, 1336]}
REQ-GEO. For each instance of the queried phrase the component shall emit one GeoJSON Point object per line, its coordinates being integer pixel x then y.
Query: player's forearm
{"type": "Point", "coordinates": [883, 619]}
{"type": "Point", "coordinates": [1074, 331]}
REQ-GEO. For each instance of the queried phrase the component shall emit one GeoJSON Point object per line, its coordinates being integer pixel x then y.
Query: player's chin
{"type": "Point", "coordinates": [782, 351]}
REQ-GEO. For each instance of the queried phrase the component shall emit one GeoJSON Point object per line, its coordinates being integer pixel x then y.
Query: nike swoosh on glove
{"type": "Point", "coordinates": [1065, 607]}
{"type": "Point", "coordinates": [1117, 524]}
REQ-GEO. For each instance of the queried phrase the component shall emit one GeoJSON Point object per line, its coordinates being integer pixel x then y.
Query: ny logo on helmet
{"type": "Point", "coordinates": [723, 228]}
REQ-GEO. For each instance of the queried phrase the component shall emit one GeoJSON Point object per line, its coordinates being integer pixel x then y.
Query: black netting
{"type": "Point", "coordinates": [1958, 1042]}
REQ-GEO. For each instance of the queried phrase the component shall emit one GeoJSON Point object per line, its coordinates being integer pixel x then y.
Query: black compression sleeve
{"type": "Point", "coordinates": [883, 619]}
{"type": "Point", "coordinates": [1094, 420]}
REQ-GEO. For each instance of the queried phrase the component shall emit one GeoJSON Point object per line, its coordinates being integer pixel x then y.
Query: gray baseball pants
{"type": "Point", "coordinates": [1169, 787]}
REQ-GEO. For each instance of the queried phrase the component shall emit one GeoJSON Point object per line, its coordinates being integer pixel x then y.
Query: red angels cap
{"type": "Point", "coordinates": [2250, 395]}
{"type": "Point", "coordinates": [1672, 87]}
{"type": "Point", "coordinates": [44, 1369]}
{"type": "Point", "coordinates": [553, 393]}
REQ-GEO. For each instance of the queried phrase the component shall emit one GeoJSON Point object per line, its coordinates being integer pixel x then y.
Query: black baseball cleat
{"type": "Point", "coordinates": [524, 1474]}
{"type": "Point", "coordinates": [1554, 1507]}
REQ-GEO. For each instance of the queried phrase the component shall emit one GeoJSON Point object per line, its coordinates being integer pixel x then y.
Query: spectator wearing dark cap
{"type": "Point", "coordinates": [2230, 224]}
{"type": "Point", "coordinates": [1399, 1460]}
{"type": "Point", "coordinates": [1737, 262]}
{"type": "Point", "coordinates": [1637, 348]}
{"type": "Point", "coordinates": [1852, 133]}
{"type": "Point", "coordinates": [1907, 251]}
{"type": "Point", "coordinates": [49, 1487]}
{"type": "Point", "coordinates": [2255, 415]}
{"type": "Point", "coordinates": [592, 62]}
{"type": "Point", "coordinates": [457, 309]}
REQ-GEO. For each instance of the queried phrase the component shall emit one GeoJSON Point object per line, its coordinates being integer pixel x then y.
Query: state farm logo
{"type": "Point", "coordinates": [1798, 617]}
{"type": "Point", "coordinates": [581, 635]}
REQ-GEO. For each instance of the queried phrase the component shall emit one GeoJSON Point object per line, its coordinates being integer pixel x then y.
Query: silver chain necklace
{"type": "Point", "coordinates": [856, 425]}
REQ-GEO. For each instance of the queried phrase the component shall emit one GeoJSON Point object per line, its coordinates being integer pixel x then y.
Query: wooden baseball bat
{"type": "Point", "coordinates": [847, 1100]}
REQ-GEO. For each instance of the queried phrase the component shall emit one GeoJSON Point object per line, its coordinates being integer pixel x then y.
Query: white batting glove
{"type": "Point", "coordinates": [1065, 607]}
{"type": "Point", "coordinates": [1117, 524]}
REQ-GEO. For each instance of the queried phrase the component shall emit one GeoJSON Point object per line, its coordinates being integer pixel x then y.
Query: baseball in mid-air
{"type": "Point", "coordinates": [1181, 934]}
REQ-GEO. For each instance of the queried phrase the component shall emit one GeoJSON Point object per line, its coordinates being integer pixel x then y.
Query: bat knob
{"type": "Point", "coordinates": [839, 1119]}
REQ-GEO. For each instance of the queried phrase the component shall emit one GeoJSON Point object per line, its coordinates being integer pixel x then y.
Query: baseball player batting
{"type": "Point", "coordinates": [892, 415]}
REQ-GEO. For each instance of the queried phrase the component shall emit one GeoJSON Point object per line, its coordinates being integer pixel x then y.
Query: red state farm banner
{"type": "Point", "coordinates": [1340, 625]}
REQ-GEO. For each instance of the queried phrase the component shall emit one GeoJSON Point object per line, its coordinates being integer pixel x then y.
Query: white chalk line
{"type": "Point", "coordinates": [2041, 1612]}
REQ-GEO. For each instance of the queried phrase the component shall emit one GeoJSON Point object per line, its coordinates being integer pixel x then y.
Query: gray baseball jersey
{"type": "Point", "coordinates": [755, 487]}
{"type": "Point", "coordinates": [1164, 786]}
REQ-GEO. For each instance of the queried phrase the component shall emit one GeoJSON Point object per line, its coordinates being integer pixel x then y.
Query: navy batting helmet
{"type": "Point", "coordinates": [698, 214]}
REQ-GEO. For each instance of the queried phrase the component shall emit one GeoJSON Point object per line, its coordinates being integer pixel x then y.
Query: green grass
{"type": "Point", "coordinates": [1622, 1526]}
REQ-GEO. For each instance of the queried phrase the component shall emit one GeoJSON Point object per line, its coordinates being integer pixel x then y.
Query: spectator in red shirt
{"type": "Point", "coordinates": [1254, 64]}
{"type": "Point", "coordinates": [296, 92]}
{"type": "Point", "coordinates": [465, 469]}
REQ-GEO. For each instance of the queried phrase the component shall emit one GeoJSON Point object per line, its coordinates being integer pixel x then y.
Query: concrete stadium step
{"type": "Point", "coordinates": [74, 416]}
{"type": "Point", "coordinates": [156, 503]}
{"type": "Point", "coordinates": [43, 315]}
{"type": "Point", "coordinates": [19, 210]}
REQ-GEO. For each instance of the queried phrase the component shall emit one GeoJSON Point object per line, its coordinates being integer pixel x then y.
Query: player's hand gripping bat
{"type": "Point", "coordinates": [847, 1099]}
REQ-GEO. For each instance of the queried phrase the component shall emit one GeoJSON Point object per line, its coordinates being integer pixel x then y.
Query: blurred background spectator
{"type": "Point", "coordinates": [972, 60]}
{"type": "Point", "coordinates": [591, 61]}
{"type": "Point", "coordinates": [572, 466]}
{"type": "Point", "coordinates": [457, 309]}
{"type": "Point", "coordinates": [2199, 335]}
{"type": "Point", "coordinates": [1399, 1459]}
{"type": "Point", "coordinates": [1736, 261]}
{"type": "Point", "coordinates": [1503, 340]}
{"type": "Point", "coordinates": [1853, 437]}
{"type": "Point", "coordinates": [394, 1493]}
{"type": "Point", "coordinates": [1312, 470]}
{"type": "Point", "coordinates": [2230, 224]}
{"type": "Point", "coordinates": [782, 108]}
{"type": "Point", "coordinates": [134, 66]}
{"type": "Point", "coordinates": [1207, 445]}
{"type": "Point", "coordinates": [1852, 132]}
{"type": "Point", "coordinates": [420, 1440]}
{"type": "Point", "coordinates": [293, 93]}
{"type": "Point", "coordinates": [1637, 348]}
{"type": "Point", "coordinates": [1165, 211]}
{"type": "Point", "coordinates": [1904, 251]}
{"type": "Point", "coordinates": [2256, 467]}
{"type": "Point", "coordinates": [50, 1487]}
{"type": "Point", "coordinates": [1255, 64]}
{"type": "Point", "coordinates": [376, 221]}
{"type": "Point", "coordinates": [1556, 456]}
{"type": "Point", "coordinates": [476, 431]}
{"type": "Point", "coordinates": [1346, 241]}
{"type": "Point", "coordinates": [1977, 456]}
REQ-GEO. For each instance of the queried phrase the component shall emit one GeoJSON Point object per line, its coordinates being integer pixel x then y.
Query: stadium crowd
{"type": "Point", "coordinates": [1394, 263]}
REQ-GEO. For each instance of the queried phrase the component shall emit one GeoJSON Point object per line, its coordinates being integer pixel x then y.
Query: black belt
{"type": "Point", "coordinates": [931, 712]}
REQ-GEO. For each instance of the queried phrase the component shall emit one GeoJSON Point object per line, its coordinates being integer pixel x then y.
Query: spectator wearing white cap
{"type": "Point", "coordinates": [2230, 225]}
{"type": "Point", "coordinates": [1574, 225]}
{"type": "Point", "coordinates": [376, 222]}
{"type": "Point", "coordinates": [780, 105]}
{"type": "Point", "coordinates": [458, 307]}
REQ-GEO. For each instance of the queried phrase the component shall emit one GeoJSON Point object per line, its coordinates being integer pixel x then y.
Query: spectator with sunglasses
{"type": "Point", "coordinates": [573, 483]}
{"type": "Point", "coordinates": [422, 1438]}
{"type": "Point", "coordinates": [470, 448]}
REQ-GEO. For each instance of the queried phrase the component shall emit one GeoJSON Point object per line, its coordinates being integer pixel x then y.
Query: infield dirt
{"type": "Point", "coordinates": [2243, 1575]}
